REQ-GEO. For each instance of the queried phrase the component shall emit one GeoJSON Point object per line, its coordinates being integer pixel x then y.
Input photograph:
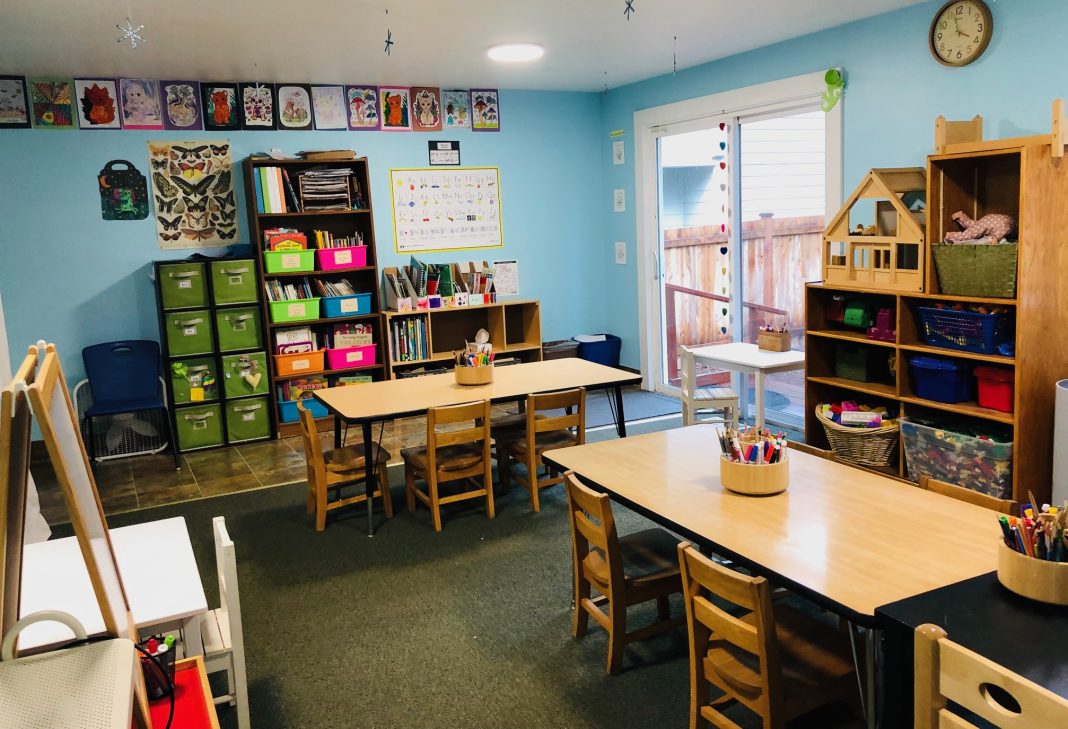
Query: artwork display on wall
{"type": "Point", "coordinates": [257, 106]}
{"type": "Point", "coordinates": [192, 185]}
{"type": "Point", "coordinates": [487, 113]}
{"type": "Point", "coordinates": [456, 108]}
{"type": "Point", "coordinates": [14, 107]}
{"type": "Point", "coordinates": [426, 109]}
{"type": "Point", "coordinates": [396, 108]}
{"type": "Point", "coordinates": [181, 105]}
{"type": "Point", "coordinates": [123, 191]}
{"type": "Point", "coordinates": [329, 107]}
{"type": "Point", "coordinates": [219, 102]}
{"type": "Point", "coordinates": [97, 103]}
{"type": "Point", "coordinates": [140, 105]}
{"type": "Point", "coordinates": [52, 103]}
{"type": "Point", "coordinates": [439, 210]}
{"type": "Point", "coordinates": [362, 107]}
{"type": "Point", "coordinates": [294, 106]}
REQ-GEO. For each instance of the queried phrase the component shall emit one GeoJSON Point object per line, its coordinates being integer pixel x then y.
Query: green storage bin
{"type": "Point", "coordinates": [862, 363]}
{"type": "Point", "coordinates": [234, 282]}
{"type": "Point", "coordinates": [239, 328]}
{"type": "Point", "coordinates": [183, 285]}
{"type": "Point", "coordinates": [289, 261]}
{"type": "Point", "coordinates": [189, 332]}
{"type": "Point", "coordinates": [247, 419]}
{"type": "Point", "coordinates": [196, 372]}
{"type": "Point", "coordinates": [199, 426]}
{"type": "Point", "coordinates": [296, 310]}
{"type": "Point", "coordinates": [235, 367]}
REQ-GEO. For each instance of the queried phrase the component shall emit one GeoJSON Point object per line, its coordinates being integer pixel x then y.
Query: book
{"type": "Point", "coordinates": [285, 239]}
{"type": "Point", "coordinates": [348, 380]}
{"type": "Point", "coordinates": [328, 155]}
{"type": "Point", "coordinates": [261, 190]}
{"type": "Point", "coordinates": [292, 193]}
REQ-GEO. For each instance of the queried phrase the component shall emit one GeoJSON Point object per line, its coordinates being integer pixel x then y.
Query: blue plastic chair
{"type": "Point", "coordinates": [124, 378]}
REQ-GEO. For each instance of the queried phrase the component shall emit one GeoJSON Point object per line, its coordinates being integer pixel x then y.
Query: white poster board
{"type": "Point", "coordinates": [446, 210]}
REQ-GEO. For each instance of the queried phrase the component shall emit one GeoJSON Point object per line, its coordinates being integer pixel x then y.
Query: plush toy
{"type": "Point", "coordinates": [994, 225]}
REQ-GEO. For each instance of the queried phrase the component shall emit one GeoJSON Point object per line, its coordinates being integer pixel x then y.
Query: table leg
{"type": "Point", "coordinates": [758, 417]}
{"type": "Point", "coordinates": [871, 662]}
{"type": "Point", "coordinates": [369, 477]}
{"type": "Point", "coordinates": [621, 420]}
{"type": "Point", "coordinates": [192, 640]}
{"type": "Point", "coordinates": [337, 431]}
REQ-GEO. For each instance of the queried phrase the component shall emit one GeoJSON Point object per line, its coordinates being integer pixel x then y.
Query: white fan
{"type": "Point", "coordinates": [124, 434]}
{"type": "Point", "coordinates": [120, 423]}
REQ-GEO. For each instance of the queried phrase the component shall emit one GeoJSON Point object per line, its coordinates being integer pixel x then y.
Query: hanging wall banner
{"type": "Point", "coordinates": [123, 191]}
{"type": "Point", "coordinates": [444, 210]}
{"type": "Point", "coordinates": [192, 185]}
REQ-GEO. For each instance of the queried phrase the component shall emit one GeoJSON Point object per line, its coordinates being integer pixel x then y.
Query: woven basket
{"type": "Point", "coordinates": [874, 447]}
{"type": "Point", "coordinates": [976, 269]}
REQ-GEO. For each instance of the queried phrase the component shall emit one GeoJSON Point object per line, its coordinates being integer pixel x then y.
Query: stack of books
{"type": "Point", "coordinates": [274, 191]}
{"type": "Point", "coordinates": [408, 341]}
{"type": "Point", "coordinates": [277, 291]}
{"type": "Point", "coordinates": [326, 188]}
{"type": "Point", "coordinates": [334, 288]}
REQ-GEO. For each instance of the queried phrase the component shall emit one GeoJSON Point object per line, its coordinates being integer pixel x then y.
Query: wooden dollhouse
{"type": "Point", "coordinates": [886, 256]}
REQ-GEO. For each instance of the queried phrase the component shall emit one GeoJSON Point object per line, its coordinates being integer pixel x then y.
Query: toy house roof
{"type": "Point", "coordinates": [890, 184]}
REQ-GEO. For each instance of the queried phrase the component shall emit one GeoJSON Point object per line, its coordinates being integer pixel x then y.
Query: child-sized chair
{"type": "Point", "coordinates": [696, 399]}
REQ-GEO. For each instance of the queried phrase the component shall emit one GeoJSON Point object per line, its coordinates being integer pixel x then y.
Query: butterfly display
{"type": "Point", "coordinates": [197, 189]}
{"type": "Point", "coordinates": [165, 188]}
{"type": "Point", "coordinates": [220, 150]}
{"type": "Point", "coordinates": [227, 234]}
{"type": "Point", "coordinates": [197, 206]}
{"type": "Point", "coordinates": [170, 236]}
{"type": "Point", "coordinates": [200, 219]}
{"type": "Point", "coordinates": [228, 216]}
{"type": "Point", "coordinates": [226, 200]}
{"type": "Point", "coordinates": [224, 184]}
{"type": "Point", "coordinates": [165, 206]}
{"type": "Point", "coordinates": [198, 233]}
{"type": "Point", "coordinates": [194, 194]}
{"type": "Point", "coordinates": [170, 224]}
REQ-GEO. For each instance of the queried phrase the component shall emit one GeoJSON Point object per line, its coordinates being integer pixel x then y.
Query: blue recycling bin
{"type": "Point", "coordinates": [605, 353]}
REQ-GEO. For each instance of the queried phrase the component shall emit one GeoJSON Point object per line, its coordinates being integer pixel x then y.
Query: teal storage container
{"type": "Point", "coordinates": [189, 332]}
{"type": "Point", "coordinates": [239, 328]}
{"type": "Point", "coordinates": [234, 282]}
{"type": "Point", "coordinates": [194, 380]}
{"type": "Point", "coordinates": [245, 374]}
{"type": "Point", "coordinates": [199, 426]}
{"type": "Point", "coordinates": [287, 409]}
{"type": "Point", "coordinates": [247, 419]}
{"type": "Point", "coordinates": [183, 285]}
{"type": "Point", "coordinates": [353, 305]}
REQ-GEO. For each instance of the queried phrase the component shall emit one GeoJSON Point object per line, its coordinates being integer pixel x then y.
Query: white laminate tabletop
{"type": "Point", "coordinates": [749, 355]}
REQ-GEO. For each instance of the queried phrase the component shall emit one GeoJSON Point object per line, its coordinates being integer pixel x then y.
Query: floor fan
{"type": "Point", "coordinates": [122, 435]}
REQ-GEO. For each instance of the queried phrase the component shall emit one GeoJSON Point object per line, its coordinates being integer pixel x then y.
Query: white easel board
{"type": "Point", "coordinates": [446, 210]}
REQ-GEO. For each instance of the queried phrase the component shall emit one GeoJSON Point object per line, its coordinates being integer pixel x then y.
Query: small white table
{"type": "Point", "coordinates": [750, 360]}
{"type": "Point", "coordinates": [159, 574]}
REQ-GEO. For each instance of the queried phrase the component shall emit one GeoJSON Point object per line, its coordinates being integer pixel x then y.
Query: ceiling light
{"type": "Point", "coordinates": [515, 52]}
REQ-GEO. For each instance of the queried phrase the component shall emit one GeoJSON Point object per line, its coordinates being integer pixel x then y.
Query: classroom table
{"type": "Point", "coordinates": [389, 399]}
{"type": "Point", "coordinates": [159, 575]}
{"type": "Point", "coordinates": [749, 359]}
{"type": "Point", "coordinates": [849, 540]}
{"type": "Point", "coordinates": [1024, 636]}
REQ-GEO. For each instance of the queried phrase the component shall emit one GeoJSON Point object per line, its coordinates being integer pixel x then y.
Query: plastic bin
{"type": "Point", "coordinates": [967, 331]}
{"type": "Point", "coordinates": [191, 384]}
{"type": "Point", "coordinates": [304, 363]}
{"type": "Point", "coordinates": [941, 380]}
{"type": "Point", "coordinates": [183, 285]}
{"type": "Point", "coordinates": [199, 426]}
{"type": "Point", "coordinates": [605, 353]}
{"type": "Point", "coordinates": [354, 305]}
{"type": "Point", "coordinates": [947, 451]}
{"type": "Point", "coordinates": [239, 328]}
{"type": "Point", "coordinates": [346, 357]}
{"type": "Point", "coordinates": [861, 363]}
{"type": "Point", "coordinates": [287, 409]}
{"type": "Point", "coordinates": [247, 419]}
{"type": "Point", "coordinates": [245, 374]}
{"type": "Point", "coordinates": [289, 261]}
{"type": "Point", "coordinates": [996, 388]}
{"type": "Point", "coordinates": [339, 259]}
{"type": "Point", "coordinates": [234, 282]}
{"type": "Point", "coordinates": [295, 310]}
{"type": "Point", "coordinates": [189, 332]}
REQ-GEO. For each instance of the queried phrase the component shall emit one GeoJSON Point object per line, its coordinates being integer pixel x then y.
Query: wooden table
{"type": "Point", "coordinates": [400, 398]}
{"type": "Point", "coordinates": [159, 575]}
{"type": "Point", "coordinates": [751, 360]}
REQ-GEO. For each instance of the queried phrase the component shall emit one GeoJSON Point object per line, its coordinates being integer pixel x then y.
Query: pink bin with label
{"type": "Point", "coordinates": [337, 259]}
{"type": "Point", "coordinates": [346, 357]}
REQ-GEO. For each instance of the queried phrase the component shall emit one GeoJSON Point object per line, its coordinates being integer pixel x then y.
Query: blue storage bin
{"type": "Point", "coordinates": [968, 331]}
{"type": "Point", "coordinates": [605, 353]}
{"type": "Point", "coordinates": [355, 305]}
{"type": "Point", "coordinates": [941, 380]}
{"type": "Point", "coordinates": [287, 409]}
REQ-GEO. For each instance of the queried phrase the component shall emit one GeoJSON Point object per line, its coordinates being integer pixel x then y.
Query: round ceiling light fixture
{"type": "Point", "coordinates": [515, 52]}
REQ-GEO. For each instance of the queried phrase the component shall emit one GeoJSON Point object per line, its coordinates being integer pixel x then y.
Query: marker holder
{"type": "Point", "coordinates": [754, 479]}
{"type": "Point", "coordinates": [481, 375]}
{"type": "Point", "coordinates": [1033, 578]}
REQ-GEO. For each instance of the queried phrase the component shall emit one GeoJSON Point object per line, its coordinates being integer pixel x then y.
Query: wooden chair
{"type": "Point", "coordinates": [945, 671]}
{"type": "Point", "coordinates": [541, 433]}
{"type": "Point", "coordinates": [455, 455]}
{"type": "Point", "coordinates": [695, 399]}
{"type": "Point", "coordinates": [625, 571]}
{"type": "Point", "coordinates": [334, 469]}
{"type": "Point", "coordinates": [777, 662]}
{"type": "Point", "coordinates": [1004, 506]}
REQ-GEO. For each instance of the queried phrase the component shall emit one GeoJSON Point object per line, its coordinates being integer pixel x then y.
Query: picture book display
{"type": "Point", "coordinates": [436, 209]}
{"type": "Point", "coordinates": [192, 186]}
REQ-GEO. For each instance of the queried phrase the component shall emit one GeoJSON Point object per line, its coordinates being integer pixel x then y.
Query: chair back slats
{"type": "Point", "coordinates": [592, 524]}
{"type": "Point", "coordinates": [1004, 506]}
{"type": "Point", "coordinates": [687, 372]}
{"type": "Point", "coordinates": [477, 413]}
{"type": "Point", "coordinates": [593, 532]}
{"type": "Point", "coordinates": [725, 626]}
{"type": "Point", "coordinates": [560, 422]}
{"type": "Point", "coordinates": [575, 398]}
{"type": "Point", "coordinates": [460, 413]}
{"type": "Point", "coordinates": [226, 565]}
{"type": "Point", "coordinates": [459, 437]}
{"type": "Point", "coordinates": [313, 447]}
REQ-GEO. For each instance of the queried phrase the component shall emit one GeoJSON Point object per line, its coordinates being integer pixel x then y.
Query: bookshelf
{"type": "Point", "coordinates": [514, 327]}
{"type": "Point", "coordinates": [364, 278]}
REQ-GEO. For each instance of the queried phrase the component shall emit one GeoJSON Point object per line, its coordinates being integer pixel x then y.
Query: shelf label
{"type": "Point", "coordinates": [348, 306]}
{"type": "Point", "coordinates": [351, 357]}
{"type": "Point", "coordinates": [296, 309]}
{"type": "Point", "coordinates": [343, 257]}
{"type": "Point", "coordinates": [189, 332]}
{"type": "Point", "coordinates": [300, 364]}
{"type": "Point", "coordinates": [291, 260]}
{"type": "Point", "coordinates": [185, 284]}
{"type": "Point", "coordinates": [248, 417]}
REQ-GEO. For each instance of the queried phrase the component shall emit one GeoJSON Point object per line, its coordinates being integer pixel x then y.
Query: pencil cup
{"type": "Point", "coordinates": [1037, 579]}
{"type": "Point", "coordinates": [753, 479]}
{"type": "Point", "coordinates": [474, 375]}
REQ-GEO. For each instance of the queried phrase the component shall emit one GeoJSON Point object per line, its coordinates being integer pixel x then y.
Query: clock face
{"type": "Point", "coordinates": [960, 32]}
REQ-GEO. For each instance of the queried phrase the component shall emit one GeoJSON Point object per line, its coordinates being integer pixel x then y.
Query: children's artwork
{"type": "Point", "coordinates": [456, 105]}
{"type": "Point", "coordinates": [139, 99]}
{"type": "Point", "coordinates": [123, 191]}
{"type": "Point", "coordinates": [426, 109]}
{"type": "Point", "coordinates": [294, 106]}
{"type": "Point", "coordinates": [14, 108]}
{"type": "Point", "coordinates": [363, 107]}
{"type": "Point", "coordinates": [328, 105]}
{"type": "Point", "coordinates": [396, 108]}
{"type": "Point", "coordinates": [192, 185]}
{"type": "Point", "coordinates": [181, 105]}
{"type": "Point", "coordinates": [436, 209]}
{"type": "Point", "coordinates": [219, 102]}
{"type": "Point", "coordinates": [97, 103]}
{"type": "Point", "coordinates": [257, 106]}
{"type": "Point", "coordinates": [52, 103]}
{"type": "Point", "coordinates": [486, 107]}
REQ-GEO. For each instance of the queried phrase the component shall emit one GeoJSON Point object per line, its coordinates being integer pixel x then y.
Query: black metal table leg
{"type": "Point", "coordinates": [621, 421]}
{"type": "Point", "coordinates": [337, 431]}
{"type": "Point", "coordinates": [369, 460]}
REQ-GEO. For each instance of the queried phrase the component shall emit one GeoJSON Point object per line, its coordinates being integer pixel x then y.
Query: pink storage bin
{"type": "Point", "coordinates": [336, 259]}
{"type": "Point", "coordinates": [346, 357]}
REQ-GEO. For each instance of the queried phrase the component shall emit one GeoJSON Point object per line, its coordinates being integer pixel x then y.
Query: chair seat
{"type": "Point", "coordinates": [542, 441]}
{"type": "Point", "coordinates": [648, 555]}
{"type": "Point", "coordinates": [115, 407]}
{"type": "Point", "coordinates": [215, 631]}
{"type": "Point", "coordinates": [450, 458]}
{"type": "Point", "coordinates": [714, 393]}
{"type": "Point", "coordinates": [351, 457]}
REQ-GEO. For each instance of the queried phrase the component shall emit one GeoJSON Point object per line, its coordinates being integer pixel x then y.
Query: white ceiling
{"type": "Point", "coordinates": [437, 42]}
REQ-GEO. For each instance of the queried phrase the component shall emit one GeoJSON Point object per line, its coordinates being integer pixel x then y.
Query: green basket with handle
{"type": "Point", "coordinates": [976, 269]}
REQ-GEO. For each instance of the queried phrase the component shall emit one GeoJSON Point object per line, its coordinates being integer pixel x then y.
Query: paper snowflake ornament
{"type": "Point", "coordinates": [130, 33]}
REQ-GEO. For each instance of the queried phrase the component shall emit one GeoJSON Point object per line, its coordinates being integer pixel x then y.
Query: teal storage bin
{"type": "Point", "coordinates": [234, 282]}
{"type": "Point", "coordinates": [289, 261]}
{"type": "Point", "coordinates": [239, 328]}
{"type": "Point", "coordinates": [183, 285]}
{"type": "Point", "coordinates": [287, 409]}
{"type": "Point", "coordinates": [189, 332]}
{"type": "Point", "coordinates": [245, 374]}
{"type": "Point", "coordinates": [355, 305]}
{"type": "Point", "coordinates": [247, 419]}
{"type": "Point", "coordinates": [198, 374]}
{"type": "Point", "coordinates": [199, 426]}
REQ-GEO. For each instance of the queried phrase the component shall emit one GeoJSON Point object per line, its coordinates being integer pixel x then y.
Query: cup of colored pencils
{"type": "Point", "coordinates": [1033, 553]}
{"type": "Point", "coordinates": [753, 462]}
{"type": "Point", "coordinates": [474, 365]}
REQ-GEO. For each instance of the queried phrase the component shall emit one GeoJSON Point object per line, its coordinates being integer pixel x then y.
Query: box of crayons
{"type": "Point", "coordinates": [754, 463]}
{"type": "Point", "coordinates": [1033, 554]}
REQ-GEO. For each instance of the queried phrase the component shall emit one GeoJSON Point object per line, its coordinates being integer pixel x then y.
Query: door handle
{"type": "Point", "coordinates": [656, 265]}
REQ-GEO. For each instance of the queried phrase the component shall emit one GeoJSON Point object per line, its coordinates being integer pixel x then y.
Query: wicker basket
{"type": "Point", "coordinates": [874, 447]}
{"type": "Point", "coordinates": [976, 269]}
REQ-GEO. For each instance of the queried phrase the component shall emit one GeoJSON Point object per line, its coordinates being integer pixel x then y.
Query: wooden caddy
{"type": "Point", "coordinates": [754, 480]}
{"type": "Point", "coordinates": [1034, 578]}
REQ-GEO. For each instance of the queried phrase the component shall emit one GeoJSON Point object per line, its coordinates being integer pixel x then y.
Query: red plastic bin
{"type": "Point", "coordinates": [346, 357]}
{"type": "Point", "coordinates": [996, 388]}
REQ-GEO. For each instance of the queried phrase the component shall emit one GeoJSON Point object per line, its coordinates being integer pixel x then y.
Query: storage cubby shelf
{"type": "Point", "coordinates": [877, 389]}
{"type": "Point", "coordinates": [943, 352]}
{"type": "Point", "coordinates": [848, 336]}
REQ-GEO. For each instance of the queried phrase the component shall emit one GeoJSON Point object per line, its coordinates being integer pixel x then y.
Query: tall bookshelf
{"type": "Point", "coordinates": [1023, 179]}
{"type": "Point", "coordinates": [364, 278]}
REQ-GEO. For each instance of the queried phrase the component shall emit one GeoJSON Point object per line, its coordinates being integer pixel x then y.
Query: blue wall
{"type": "Point", "coordinates": [895, 91]}
{"type": "Point", "coordinates": [72, 278]}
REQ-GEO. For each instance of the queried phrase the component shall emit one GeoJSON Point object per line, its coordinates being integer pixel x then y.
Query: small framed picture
{"type": "Point", "coordinates": [456, 108]}
{"type": "Point", "coordinates": [426, 109]}
{"type": "Point", "coordinates": [139, 102]}
{"type": "Point", "coordinates": [14, 106]}
{"type": "Point", "coordinates": [363, 107]}
{"type": "Point", "coordinates": [51, 103]}
{"type": "Point", "coordinates": [257, 106]}
{"type": "Point", "coordinates": [328, 107]}
{"type": "Point", "coordinates": [181, 105]}
{"type": "Point", "coordinates": [294, 106]}
{"type": "Point", "coordinates": [396, 108]}
{"type": "Point", "coordinates": [486, 112]}
{"type": "Point", "coordinates": [97, 103]}
{"type": "Point", "coordinates": [219, 102]}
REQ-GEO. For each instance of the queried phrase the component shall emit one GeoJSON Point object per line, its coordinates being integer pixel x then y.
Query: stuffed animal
{"type": "Point", "coordinates": [994, 225]}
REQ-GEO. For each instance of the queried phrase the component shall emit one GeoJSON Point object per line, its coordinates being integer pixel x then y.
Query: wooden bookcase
{"type": "Point", "coordinates": [340, 223]}
{"type": "Point", "coordinates": [514, 327]}
{"type": "Point", "coordinates": [1026, 181]}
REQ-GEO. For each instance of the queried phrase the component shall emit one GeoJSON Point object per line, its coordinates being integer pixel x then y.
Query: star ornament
{"type": "Point", "coordinates": [131, 33]}
{"type": "Point", "coordinates": [629, 9]}
{"type": "Point", "coordinates": [389, 42]}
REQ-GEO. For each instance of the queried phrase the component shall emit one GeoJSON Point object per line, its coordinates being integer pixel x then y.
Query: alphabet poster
{"type": "Point", "coordinates": [441, 210]}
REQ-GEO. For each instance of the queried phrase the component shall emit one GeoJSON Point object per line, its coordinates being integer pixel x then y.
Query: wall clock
{"type": "Point", "coordinates": [960, 32]}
